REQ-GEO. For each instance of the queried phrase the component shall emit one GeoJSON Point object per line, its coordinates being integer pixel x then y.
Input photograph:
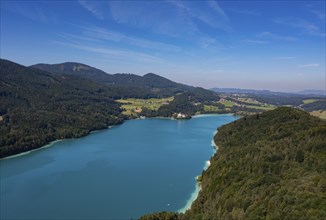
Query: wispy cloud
{"type": "Point", "coordinates": [270, 35]}
{"type": "Point", "coordinates": [98, 34]}
{"type": "Point", "coordinates": [182, 19]}
{"type": "Point", "coordinates": [89, 6]}
{"type": "Point", "coordinates": [320, 15]}
{"type": "Point", "coordinates": [157, 17]}
{"type": "Point", "coordinates": [35, 13]}
{"type": "Point", "coordinates": [212, 15]}
{"type": "Point", "coordinates": [303, 25]}
{"type": "Point", "coordinates": [284, 58]}
{"type": "Point", "coordinates": [248, 41]}
{"type": "Point", "coordinates": [207, 42]}
{"type": "Point", "coordinates": [113, 53]}
{"type": "Point", "coordinates": [214, 5]}
{"type": "Point", "coordinates": [246, 12]}
{"type": "Point", "coordinates": [309, 65]}
{"type": "Point", "coordinates": [104, 34]}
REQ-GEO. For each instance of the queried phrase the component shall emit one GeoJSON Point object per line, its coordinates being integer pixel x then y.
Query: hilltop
{"type": "Point", "coordinates": [157, 85]}
{"type": "Point", "coordinates": [37, 107]}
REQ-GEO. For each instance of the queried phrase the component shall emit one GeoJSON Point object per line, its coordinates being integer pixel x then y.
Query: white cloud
{"type": "Point", "coordinates": [283, 58]}
{"type": "Point", "coordinates": [305, 26]}
{"type": "Point", "coordinates": [115, 53]}
{"type": "Point", "coordinates": [248, 41]}
{"type": "Point", "coordinates": [210, 14]}
{"type": "Point", "coordinates": [91, 8]}
{"type": "Point", "coordinates": [320, 15]}
{"type": "Point", "coordinates": [213, 4]}
{"type": "Point", "coordinates": [104, 34]}
{"type": "Point", "coordinates": [207, 42]}
{"type": "Point", "coordinates": [33, 12]}
{"type": "Point", "coordinates": [270, 35]}
{"type": "Point", "coordinates": [246, 12]}
{"type": "Point", "coordinates": [179, 19]}
{"type": "Point", "coordinates": [309, 65]}
{"type": "Point", "coordinates": [98, 34]}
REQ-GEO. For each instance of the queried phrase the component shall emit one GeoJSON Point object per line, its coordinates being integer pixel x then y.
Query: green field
{"type": "Point", "coordinates": [265, 108]}
{"type": "Point", "coordinates": [319, 114]}
{"type": "Point", "coordinates": [210, 108]}
{"type": "Point", "coordinates": [249, 101]}
{"type": "Point", "coordinates": [132, 106]}
{"type": "Point", "coordinates": [308, 101]}
{"type": "Point", "coordinates": [228, 103]}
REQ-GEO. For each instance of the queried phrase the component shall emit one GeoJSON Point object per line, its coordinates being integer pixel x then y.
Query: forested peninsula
{"type": "Point", "coordinates": [268, 166]}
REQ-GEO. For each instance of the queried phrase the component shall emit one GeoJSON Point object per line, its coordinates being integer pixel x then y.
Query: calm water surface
{"type": "Point", "coordinates": [139, 167]}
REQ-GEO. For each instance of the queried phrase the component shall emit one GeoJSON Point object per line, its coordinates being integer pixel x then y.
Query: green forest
{"type": "Point", "coordinates": [38, 107]}
{"type": "Point", "coordinates": [268, 166]}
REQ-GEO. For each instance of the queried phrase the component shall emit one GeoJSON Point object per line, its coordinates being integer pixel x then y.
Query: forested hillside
{"type": "Point", "coordinates": [317, 105]}
{"type": "Point", "coordinates": [188, 103]}
{"type": "Point", "coordinates": [37, 107]}
{"type": "Point", "coordinates": [268, 166]}
{"type": "Point", "coordinates": [75, 69]}
{"type": "Point", "coordinates": [156, 85]}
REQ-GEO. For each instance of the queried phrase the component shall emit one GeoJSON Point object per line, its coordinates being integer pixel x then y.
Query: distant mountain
{"type": "Point", "coordinates": [274, 98]}
{"type": "Point", "coordinates": [313, 92]}
{"type": "Point", "coordinates": [268, 166]}
{"type": "Point", "coordinates": [155, 83]}
{"type": "Point", "coordinates": [75, 69]}
{"type": "Point", "coordinates": [238, 90]}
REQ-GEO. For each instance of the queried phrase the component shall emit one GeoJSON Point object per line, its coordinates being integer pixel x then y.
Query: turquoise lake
{"type": "Point", "coordinates": [139, 167]}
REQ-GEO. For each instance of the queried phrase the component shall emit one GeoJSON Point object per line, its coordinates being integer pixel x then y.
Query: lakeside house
{"type": "Point", "coordinates": [181, 115]}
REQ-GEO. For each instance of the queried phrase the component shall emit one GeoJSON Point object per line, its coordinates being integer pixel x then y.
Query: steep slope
{"type": "Point", "coordinates": [268, 166]}
{"type": "Point", "coordinates": [37, 107]}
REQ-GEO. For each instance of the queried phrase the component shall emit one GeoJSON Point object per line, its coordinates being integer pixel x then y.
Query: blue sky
{"type": "Point", "coordinates": [276, 45]}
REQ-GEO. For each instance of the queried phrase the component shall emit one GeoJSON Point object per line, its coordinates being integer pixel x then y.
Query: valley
{"type": "Point", "coordinates": [38, 107]}
{"type": "Point", "coordinates": [162, 110]}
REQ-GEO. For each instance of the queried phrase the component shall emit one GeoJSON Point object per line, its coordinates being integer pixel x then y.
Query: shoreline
{"type": "Point", "coordinates": [210, 114]}
{"type": "Point", "coordinates": [53, 142]}
{"type": "Point", "coordinates": [194, 194]}
{"type": "Point", "coordinates": [31, 151]}
{"type": "Point", "coordinates": [198, 188]}
{"type": "Point", "coordinates": [49, 145]}
{"type": "Point", "coordinates": [213, 142]}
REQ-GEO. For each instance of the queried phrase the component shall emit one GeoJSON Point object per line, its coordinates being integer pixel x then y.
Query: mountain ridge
{"type": "Point", "coordinates": [37, 106]}
{"type": "Point", "coordinates": [308, 92]}
{"type": "Point", "coordinates": [156, 83]}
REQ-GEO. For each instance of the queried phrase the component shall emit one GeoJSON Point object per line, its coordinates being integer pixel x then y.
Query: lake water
{"type": "Point", "coordinates": [141, 166]}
